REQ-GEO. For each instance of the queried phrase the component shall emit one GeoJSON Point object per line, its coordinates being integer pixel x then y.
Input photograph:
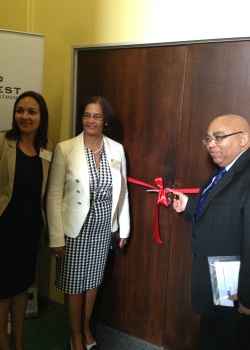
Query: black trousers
{"type": "Point", "coordinates": [230, 332]}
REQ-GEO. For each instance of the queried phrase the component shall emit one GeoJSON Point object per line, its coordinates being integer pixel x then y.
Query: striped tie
{"type": "Point", "coordinates": [206, 192]}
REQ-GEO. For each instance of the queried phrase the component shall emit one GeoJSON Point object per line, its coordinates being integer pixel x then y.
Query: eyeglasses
{"type": "Point", "coordinates": [95, 116]}
{"type": "Point", "coordinates": [219, 138]}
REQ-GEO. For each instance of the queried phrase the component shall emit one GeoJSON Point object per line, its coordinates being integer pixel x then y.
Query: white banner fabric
{"type": "Point", "coordinates": [21, 69]}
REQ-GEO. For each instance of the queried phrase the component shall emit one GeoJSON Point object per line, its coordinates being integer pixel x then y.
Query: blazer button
{"type": "Point", "coordinates": [194, 255]}
{"type": "Point", "coordinates": [77, 180]}
{"type": "Point", "coordinates": [77, 191]}
{"type": "Point", "coordinates": [79, 203]}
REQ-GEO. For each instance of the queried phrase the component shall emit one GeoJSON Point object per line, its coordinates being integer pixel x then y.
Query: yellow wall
{"type": "Point", "coordinates": [65, 24]}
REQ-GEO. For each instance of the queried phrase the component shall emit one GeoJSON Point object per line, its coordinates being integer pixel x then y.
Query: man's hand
{"type": "Point", "coordinates": [242, 309]}
{"type": "Point", "coordinates": [180, 201]}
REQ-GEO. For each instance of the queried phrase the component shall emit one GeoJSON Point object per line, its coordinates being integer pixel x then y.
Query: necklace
{"type": "Point", "coordinates": [98, 150]}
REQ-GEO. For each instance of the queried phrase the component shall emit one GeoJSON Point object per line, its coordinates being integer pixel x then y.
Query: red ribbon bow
{"type": "Point", "coordinates": [161, 199]}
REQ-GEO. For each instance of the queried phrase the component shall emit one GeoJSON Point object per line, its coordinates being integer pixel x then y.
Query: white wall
{"type": "Point", "coordinates": [152, 21]}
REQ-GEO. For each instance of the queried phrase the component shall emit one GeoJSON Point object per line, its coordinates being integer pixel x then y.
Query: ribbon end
{"type": "Point", "coordinates": [157, 239]}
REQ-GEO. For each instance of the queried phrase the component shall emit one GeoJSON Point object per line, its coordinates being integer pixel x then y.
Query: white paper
{"type": "Point", "coordinates": [227, 273]}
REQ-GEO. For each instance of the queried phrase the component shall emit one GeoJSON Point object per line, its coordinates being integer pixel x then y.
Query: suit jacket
{"type": "Point", "coordinates": [7, 172]}
{"type": "Point", "coordinates": [68, 200]}
{"type": "Point", "coordinates": [222, 229]}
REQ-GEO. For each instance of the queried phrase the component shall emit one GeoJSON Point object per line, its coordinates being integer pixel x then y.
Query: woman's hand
{"type": "Point", "coordinates": [122, 243]}
{"type": "Point", "coordinates": [180, 201]}
{"type": "Point", "coordinates": [58, 252]}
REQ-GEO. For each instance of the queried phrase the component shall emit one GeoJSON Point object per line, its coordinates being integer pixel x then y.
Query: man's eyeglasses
{"type": "Point", "coordinates": [95, 116]}
{"type": "Point", "coordinates": [219, 138]}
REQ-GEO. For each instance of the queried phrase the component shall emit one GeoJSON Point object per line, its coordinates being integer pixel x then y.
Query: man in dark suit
{"type": "Point", "coordinates": [221, 227]}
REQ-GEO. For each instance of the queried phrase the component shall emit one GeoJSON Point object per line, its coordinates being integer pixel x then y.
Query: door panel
{"type": "Point", "coordinates": [217, 82]}
{"type": "Point", "coordinates": [164, 98]}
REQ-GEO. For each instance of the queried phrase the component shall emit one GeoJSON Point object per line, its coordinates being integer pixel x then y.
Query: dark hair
{"type": "Point", "coordinates": [41, 137]}
{"type": "Point", "coordinates": [107, 110]}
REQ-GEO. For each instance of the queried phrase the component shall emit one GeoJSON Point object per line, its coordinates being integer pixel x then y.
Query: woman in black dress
{"type": "Point", "coordinates": [25, 155]}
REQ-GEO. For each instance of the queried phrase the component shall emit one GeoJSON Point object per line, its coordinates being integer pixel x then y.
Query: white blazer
{"type": "Point", "coordinates": [68, 195]}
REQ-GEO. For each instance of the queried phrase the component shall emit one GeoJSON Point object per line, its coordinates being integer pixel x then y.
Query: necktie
{"type": "Point", "coordinates": [206, 192]}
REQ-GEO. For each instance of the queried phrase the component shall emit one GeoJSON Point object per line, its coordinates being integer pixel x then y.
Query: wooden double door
{"type": "Point", "coordinates": [164, 97]}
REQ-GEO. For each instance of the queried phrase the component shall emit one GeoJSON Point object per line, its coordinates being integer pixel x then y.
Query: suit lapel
{"type": "Point", "coordinates": [45, 166]}
{"type": "Point", "coordinates": [11, 159]}
{"type": "Point", "coordinates": [225, 180]}
{"type": "Point", "coordinates": [81, 165]}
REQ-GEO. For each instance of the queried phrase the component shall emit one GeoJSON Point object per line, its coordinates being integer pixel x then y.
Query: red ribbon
{"type": "Point", "coordinates": [161, 199]}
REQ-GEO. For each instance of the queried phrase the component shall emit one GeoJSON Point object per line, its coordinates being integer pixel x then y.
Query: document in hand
{"type": "Point", "coordinates": [224, 273]}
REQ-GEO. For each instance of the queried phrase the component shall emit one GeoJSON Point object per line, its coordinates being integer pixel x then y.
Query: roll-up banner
{"type": "Point", "coordinates": [21, 69]}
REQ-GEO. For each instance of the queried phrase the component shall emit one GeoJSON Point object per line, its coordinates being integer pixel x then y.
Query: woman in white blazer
{"type": "Point", "coordinates": [87, 200]}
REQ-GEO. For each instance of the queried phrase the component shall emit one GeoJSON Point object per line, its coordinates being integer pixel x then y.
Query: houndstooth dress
{"type": "Point", "coordinates": [82, 268]}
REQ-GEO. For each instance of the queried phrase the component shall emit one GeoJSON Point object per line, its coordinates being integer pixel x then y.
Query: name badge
{"type": "Point", "coordinates": [45, 154]}
{"type": "Point", "coordinates": [115, 164]}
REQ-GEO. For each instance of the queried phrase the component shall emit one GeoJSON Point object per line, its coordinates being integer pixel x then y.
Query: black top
{"type": "Point", "coordinates": [20, 227]}
{"type": "Point", "coordinates": [24, 208]}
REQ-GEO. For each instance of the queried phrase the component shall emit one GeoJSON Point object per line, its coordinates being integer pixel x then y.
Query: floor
{"type": "Point", "coordinates": [49, 331]}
